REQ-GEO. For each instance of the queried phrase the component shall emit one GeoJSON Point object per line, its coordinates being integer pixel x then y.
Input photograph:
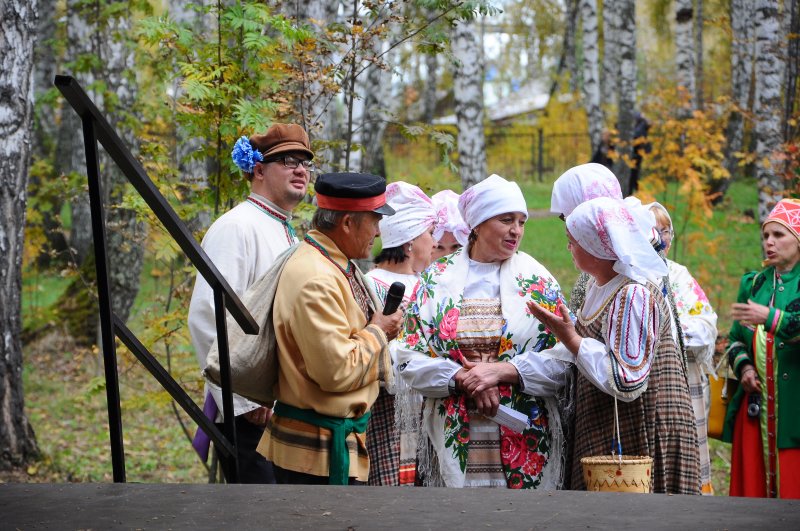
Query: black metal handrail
{"type": "Point", "coordinates": [96, 128]}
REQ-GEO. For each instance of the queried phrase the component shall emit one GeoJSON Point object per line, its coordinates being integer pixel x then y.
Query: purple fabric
{"type": "Point", "coordinates": [201, 441]}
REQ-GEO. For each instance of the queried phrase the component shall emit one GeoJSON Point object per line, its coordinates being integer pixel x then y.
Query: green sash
{"type": "Point", "coordinates": [339, 471]}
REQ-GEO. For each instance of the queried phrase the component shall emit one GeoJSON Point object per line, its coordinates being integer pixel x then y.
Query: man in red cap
{"type": "Point", "coordinates": [331, 340]}
{"type": "Point", "coordinates": [243, 243]}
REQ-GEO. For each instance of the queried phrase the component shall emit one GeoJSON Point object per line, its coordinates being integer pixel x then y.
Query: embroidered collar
{"type": "Point", "coordinates": [348, 271]}
{"type": "Point", "coordinates": [275, 213]}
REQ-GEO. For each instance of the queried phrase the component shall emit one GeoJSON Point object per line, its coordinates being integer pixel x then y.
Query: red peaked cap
{"type": "Point", "coordinates": [352, 192]}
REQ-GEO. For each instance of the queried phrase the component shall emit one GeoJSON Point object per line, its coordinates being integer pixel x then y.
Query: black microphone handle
{"type": "Point", "coordinates": [394, 298]}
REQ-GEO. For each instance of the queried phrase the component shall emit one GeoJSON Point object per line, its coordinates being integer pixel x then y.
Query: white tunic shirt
{"type": "Point", "coordinates": [243, 243]}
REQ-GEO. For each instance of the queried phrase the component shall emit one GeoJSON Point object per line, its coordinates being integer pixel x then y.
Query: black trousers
{"type": "Point", "coordinates": [253, 467]}
{"type": "Point", "coordinates": [290, 477]}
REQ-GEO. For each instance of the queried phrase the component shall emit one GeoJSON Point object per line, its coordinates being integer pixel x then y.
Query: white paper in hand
{"type": "Point", "coordinates": [511, 419]}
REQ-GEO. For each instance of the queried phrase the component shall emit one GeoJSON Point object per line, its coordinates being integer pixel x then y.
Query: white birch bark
{"type": "Point", "coordinates": [468, 93]}
{"type": "Point", "coordinates": [609, 82]}
{"type": "Point", "coordinates": [17, 39]}
{"type": "Point", "coordinates": [591, 72]}
{"type": "Point", "coordinates": [770, 68]}
{"type": "Point", "coordinates": [684, 51]}
{"type": "Point", "coordinates": [626, 47]}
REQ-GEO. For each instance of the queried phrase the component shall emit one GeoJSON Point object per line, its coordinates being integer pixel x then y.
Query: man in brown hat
{"type": "Point", "coordinates": [243, 243]}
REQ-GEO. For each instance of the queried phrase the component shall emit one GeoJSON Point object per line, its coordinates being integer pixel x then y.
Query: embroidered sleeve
{"type": "Point", "coordinates": [417, 364]}
{"type": "Point", "coordinates": [785, 324]}
{"type": "Point", "coordinates": [621, 367]}
{"type": "Point", "coordinates": [335, 358]}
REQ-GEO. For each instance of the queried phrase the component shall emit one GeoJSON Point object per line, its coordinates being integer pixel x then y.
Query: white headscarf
{"type": "Point", "coordinates": [606, 229]}
{"type": "Point", "coordinates": [580, 184]}
{"type": "Point", "coordinates": [645, 219]}
{"type": "Point", "coordinates": [491, 197]}
{"type": "Point", "coordinates": [448, 218]}
{"type": "Point", "coordinates": [414, 214]}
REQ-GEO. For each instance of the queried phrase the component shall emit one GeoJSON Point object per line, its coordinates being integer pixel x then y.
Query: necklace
{"type": "Point", "coordinates": [277, 216]}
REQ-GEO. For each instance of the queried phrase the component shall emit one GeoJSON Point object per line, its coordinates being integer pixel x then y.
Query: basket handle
{"type": "Point", "coordinates": [616, 442]}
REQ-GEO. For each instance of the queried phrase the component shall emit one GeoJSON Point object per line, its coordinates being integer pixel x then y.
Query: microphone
{"type": "Point", "coordinates": [394, 298]}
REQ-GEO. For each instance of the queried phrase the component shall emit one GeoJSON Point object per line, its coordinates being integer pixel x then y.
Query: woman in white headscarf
{"type": "Point", "coordinates": [470, 347]}
{"type": "Point", "coordinates": [408, 242]}
{"type": "Point", "coordinates": [698, 323]}
{"type": "Point", "coordinates": [451, 231]}
{"type": "Point", "coordinates": [625, 352]}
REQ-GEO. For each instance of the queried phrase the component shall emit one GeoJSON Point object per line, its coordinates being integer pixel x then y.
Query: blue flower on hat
{"type": "Point", "coordinates": [244, 156]}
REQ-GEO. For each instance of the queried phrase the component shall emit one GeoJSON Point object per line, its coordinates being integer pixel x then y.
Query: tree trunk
{"type": "Point", "coordinates": [17, 440]}
{"type": "Point", "coordinates": [82, 40]}
{"type": "Point", "coordinates": [591, 72]}
{"type": "Point", "coordinates": [698, 57]}
{"type": "Point", "coordinates": [742, 55]}
{"type": "Point", "coordinates": [684, 52]}
{"type": "Point", "coordinates": [626, 46]}
{"type": "Point", "coordinates": [126, 234]}
{"type": "Point", "coordinates": [769, 71]}
{"type": "Point", "coordinates": [429, 97]}
{"type": "Point", "coordinates": [468, 94]}
{"type": "Point", "coordinates": [612, 25]}
{"type": "Point", "coordinates": [792, 14]}
{"type": "Point", "coordinates": [570, 31]}
{"type": "Point", "coordinates": [377, 90]}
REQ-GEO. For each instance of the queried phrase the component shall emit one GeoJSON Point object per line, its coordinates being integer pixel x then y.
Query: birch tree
{"type": "Point", "coordinates": [612, 25]}
{"type": "Point", "coordinates": [684, 52]}
{"type": "Point", "coordinates": [17, 40]}
{"type": "Point", "coordinates": [769, 72]}
{"type": "Point", "coordinates": [626, 51]}
{"type": "Point", "coordinates": [698, 55]}
{"type": "Point", "coordinates": [468, 94]}
{"type": "Point", "coordinates": [742, 56]}
{"type": "Point", "coordinates": [591, 71]}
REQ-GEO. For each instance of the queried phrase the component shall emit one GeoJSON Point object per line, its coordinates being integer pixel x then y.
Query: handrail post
{"type": "Point", "coordinates": [231, 464]}
{"type": "Point", "coordinates": [104, 300]}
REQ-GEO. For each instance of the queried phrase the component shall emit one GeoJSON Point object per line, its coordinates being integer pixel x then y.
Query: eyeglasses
{"type": "Point", "coordinates": [665, 232]}
{"type": "Point", "coordinates": [292, 163]}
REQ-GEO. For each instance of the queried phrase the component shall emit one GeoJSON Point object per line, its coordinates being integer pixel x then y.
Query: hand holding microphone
{"type": "Point", "coordinates": [391, 319]}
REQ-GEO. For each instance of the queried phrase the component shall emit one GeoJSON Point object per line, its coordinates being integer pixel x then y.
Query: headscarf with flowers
{"type": "Point", "coordinates": [531, 459]}
{"type": "Point", "coordinates": [448, 217]}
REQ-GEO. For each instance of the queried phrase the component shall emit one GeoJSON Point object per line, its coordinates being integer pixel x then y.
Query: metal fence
{"type": "Point", "coordinates": [520, 153]}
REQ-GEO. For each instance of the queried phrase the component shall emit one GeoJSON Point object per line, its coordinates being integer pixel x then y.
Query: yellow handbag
{"type": "Point", "coordinates": [722, 389]}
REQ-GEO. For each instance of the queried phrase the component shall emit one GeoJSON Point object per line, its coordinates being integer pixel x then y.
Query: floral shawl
{"type": "Point", "coordinates": [694, 310]}
{"type": "Point", "coordinates": [531, 459]}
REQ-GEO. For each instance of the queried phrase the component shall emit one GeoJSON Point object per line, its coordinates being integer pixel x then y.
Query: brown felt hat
{"type": "Point", "coordinates": [282, 138]}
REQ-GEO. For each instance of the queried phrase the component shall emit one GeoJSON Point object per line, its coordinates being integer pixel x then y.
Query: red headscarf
{"type": "Point", "coordinates": [787, 213]}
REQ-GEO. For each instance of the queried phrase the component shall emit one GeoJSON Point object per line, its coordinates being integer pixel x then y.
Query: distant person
{"type": "Point", "coordinates": [470, 348]}
{"type": "Point", "coordinates": [243, 243]}
{"type": "Point", "coordinates": [602, 155]}
{"type": "Point", "coordinates": [408, 243]}
{"type": "Point", "coordinates": [625, 352]}
{"type": "Point", "coordinates": [762, 419]}
{"type": "Point", "coordinates": [450, 233]}
{"type": "Point", "coordinates": [332, 339]}
{"type": "Point", "coordinates": [641, 146]}
{"type": "Point", "coordinates": [699, 327]}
